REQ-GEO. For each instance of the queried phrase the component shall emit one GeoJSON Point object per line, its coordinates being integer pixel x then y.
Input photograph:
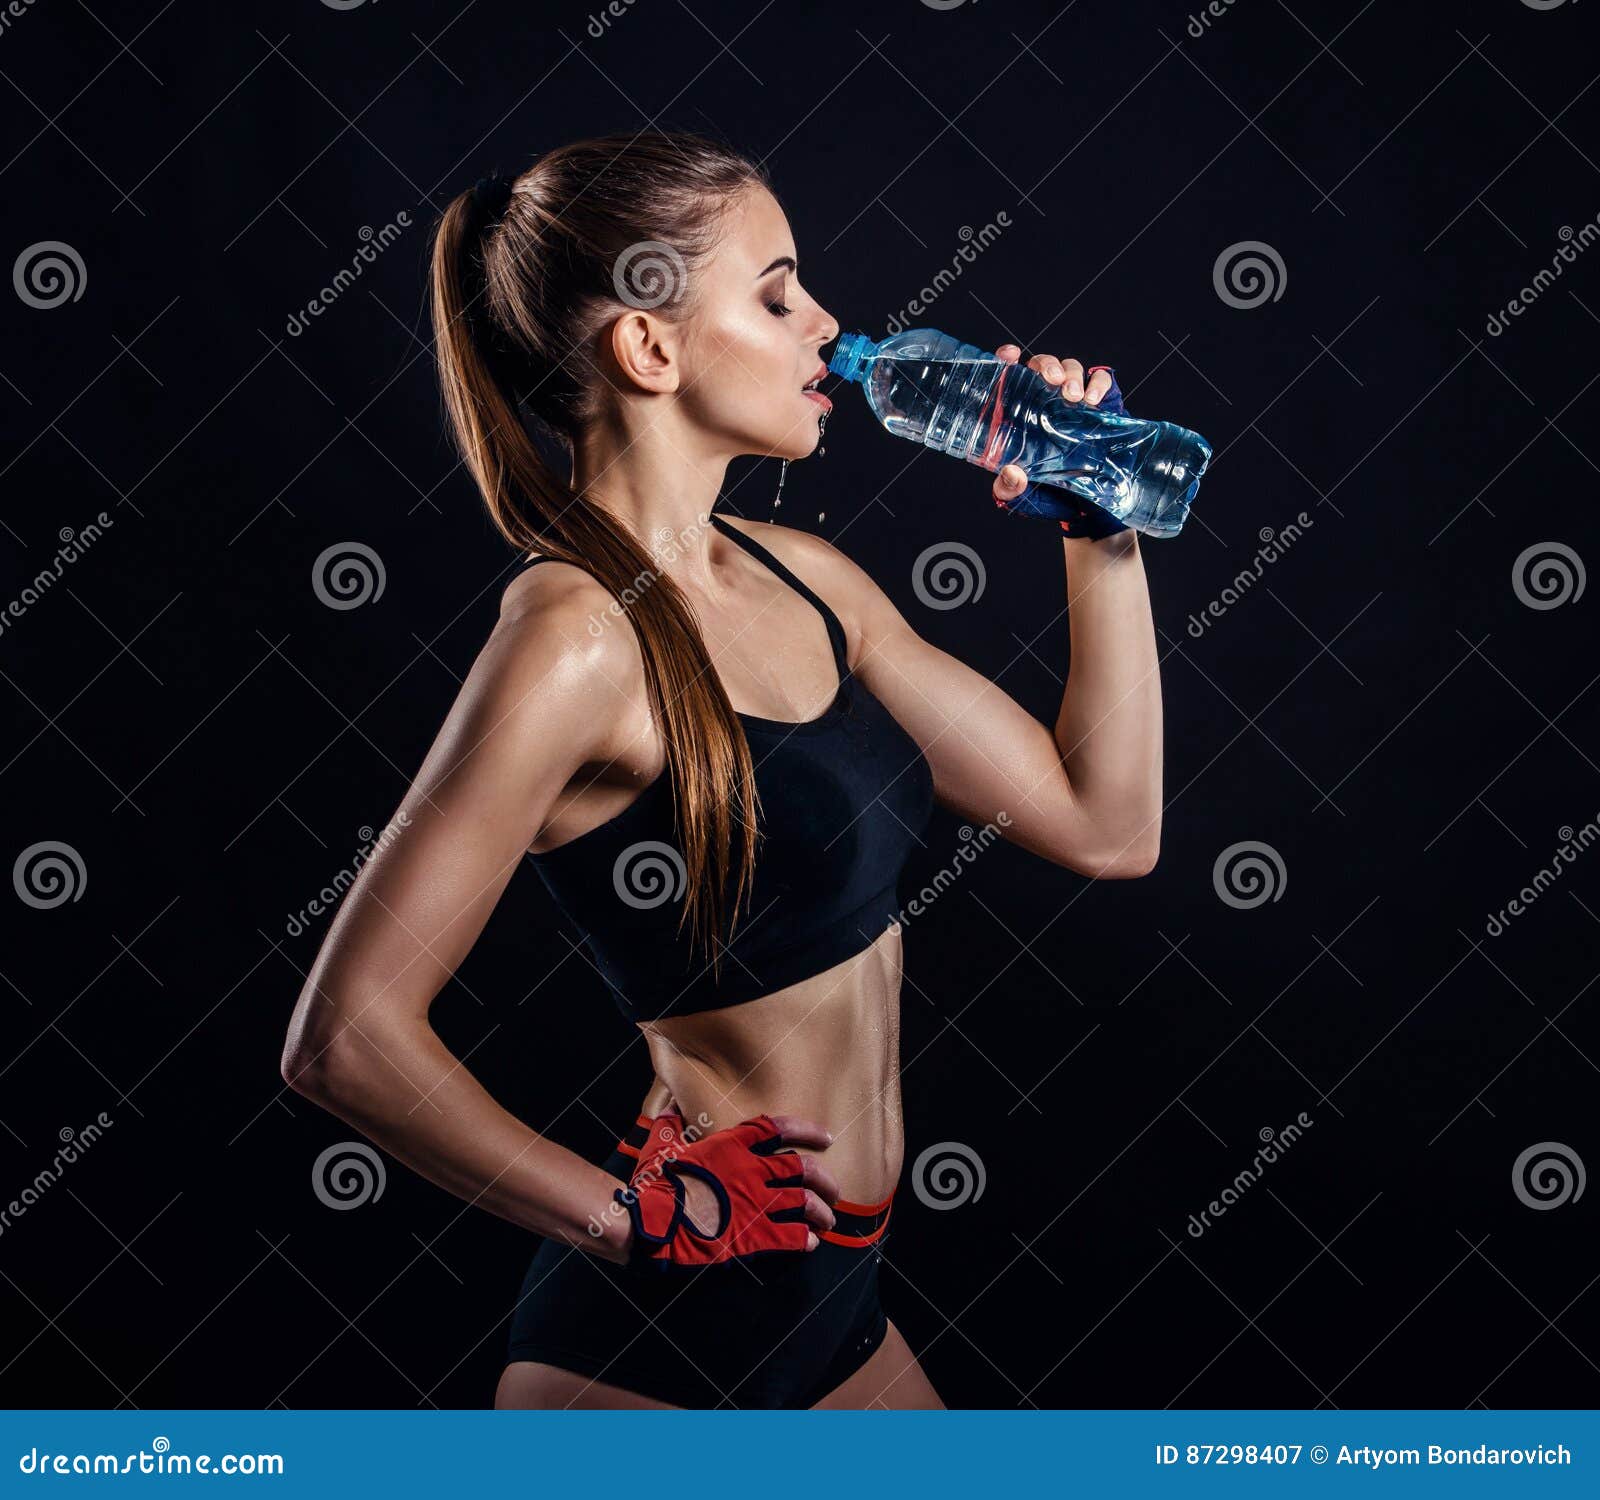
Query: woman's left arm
{"type": "Point", "coordinates": [1087, 794]}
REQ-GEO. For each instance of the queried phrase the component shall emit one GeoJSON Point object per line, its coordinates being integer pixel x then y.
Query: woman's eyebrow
{"type": "Point", "coordinates": [782, 260]}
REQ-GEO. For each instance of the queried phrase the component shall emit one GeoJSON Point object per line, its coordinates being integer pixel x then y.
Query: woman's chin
{"type": "Point", "coordinates": [799, 439]}
{"type": "Point", "coordinates": [789, 450]}
{"type": "Point", "coordinates": [803, 442]}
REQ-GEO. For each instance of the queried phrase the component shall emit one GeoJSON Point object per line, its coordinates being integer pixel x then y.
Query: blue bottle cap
{"type": "Point", "coordinates": [850, 355]}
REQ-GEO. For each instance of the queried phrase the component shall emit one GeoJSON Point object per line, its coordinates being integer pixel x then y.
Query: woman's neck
{"type": "Point", "coordinates": [660, 484]}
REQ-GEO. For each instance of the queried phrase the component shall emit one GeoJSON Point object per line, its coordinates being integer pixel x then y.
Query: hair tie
{"type": "Point", "coordinates": [491, 196]}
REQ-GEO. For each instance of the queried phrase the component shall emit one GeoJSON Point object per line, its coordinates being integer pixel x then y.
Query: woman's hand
{"type": "Point", "coordinates": [1011, 481]}
{"type": "Point", "coordinates": [743, 1190]}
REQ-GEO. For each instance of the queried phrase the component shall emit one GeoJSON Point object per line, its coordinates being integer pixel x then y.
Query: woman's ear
{"type": "Point", "coordinates": [646, 351]}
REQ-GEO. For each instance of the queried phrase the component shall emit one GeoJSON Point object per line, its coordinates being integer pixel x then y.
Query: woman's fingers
{"type": "Point", "coordinates": [1069, 377]}
{"type": "Point", "coordinates": [816, 1176]}
{"type": "Point", "coordinates": [1010, 482]}
{"type": "Point", "coordinates": [796, 1131]}
{"type": "Point", "coordinates": [1049, 366]}
{"type": "Point", "coordinates": [818, 1214]}
{"type": "Point", "coordinates": [1064, 373]}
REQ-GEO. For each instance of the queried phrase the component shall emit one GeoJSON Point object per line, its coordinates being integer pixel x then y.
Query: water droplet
{"type": "Point", "coordinates": [783, 473]}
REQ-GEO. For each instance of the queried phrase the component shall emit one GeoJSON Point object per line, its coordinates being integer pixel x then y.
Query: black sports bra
{"type": "Point", "coordinates": [844, 797]}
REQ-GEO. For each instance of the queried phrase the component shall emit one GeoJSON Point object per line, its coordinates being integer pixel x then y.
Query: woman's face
{"type": "Point", "coordinates": [753, 338]}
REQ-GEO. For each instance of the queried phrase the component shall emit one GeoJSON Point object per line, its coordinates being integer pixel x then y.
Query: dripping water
{"type": "Point", "coordinates": [783, 470]}
{"type": "Point", "coordinates": [822, 427]}
{"type": "Point", "coordinates": [783, 473]}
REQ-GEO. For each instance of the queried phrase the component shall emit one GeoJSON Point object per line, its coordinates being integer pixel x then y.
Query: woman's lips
{"type": "Point", "coordinates": [819, 398]}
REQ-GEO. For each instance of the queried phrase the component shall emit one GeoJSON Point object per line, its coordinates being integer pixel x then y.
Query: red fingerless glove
{"type": "Point", "coordinates": [668, 1136]}
{"type": "Point", "coordinates": [760, 1200]}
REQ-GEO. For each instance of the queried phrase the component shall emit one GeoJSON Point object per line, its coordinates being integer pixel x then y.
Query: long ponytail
{"type": "Point", "coordinates": [516, 305]}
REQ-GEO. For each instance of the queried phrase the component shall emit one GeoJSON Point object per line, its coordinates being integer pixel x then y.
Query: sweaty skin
{"type": "Point", "coordinates": [550, 735]}
{"type": "Point", "coordinates": [826, 1049]}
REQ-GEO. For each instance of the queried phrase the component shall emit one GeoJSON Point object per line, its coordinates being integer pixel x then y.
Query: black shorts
{"type": "Point", "coordinates": [776, 1330]}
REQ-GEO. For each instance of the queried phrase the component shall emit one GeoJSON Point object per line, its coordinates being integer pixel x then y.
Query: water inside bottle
{"type": "Point", "coordinates": [991, 412]}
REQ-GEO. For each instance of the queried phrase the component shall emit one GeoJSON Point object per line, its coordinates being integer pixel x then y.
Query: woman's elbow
{"type": "Point", "coordinates": [1126, 866]}
{"type": "Point", "coordinates": [308, 1061]}
{"type": "Point", "coordinates": [1137, 862]}
{"type": "Point", "coordinates": [304, 1069]}
{"type": "Point", "coordinates": [1126, 862]}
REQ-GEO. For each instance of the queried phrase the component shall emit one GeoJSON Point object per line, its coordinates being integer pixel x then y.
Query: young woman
{"type": "Point", "coordinates": [716, 741]}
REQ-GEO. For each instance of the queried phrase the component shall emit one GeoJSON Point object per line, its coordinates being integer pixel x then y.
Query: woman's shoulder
{"type": "Point", "coordinates": [551, 588]}
{"type": "Point", "coordinates": [558, 621]}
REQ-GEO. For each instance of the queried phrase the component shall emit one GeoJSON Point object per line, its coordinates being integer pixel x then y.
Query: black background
{"type": "Point", "coordinates": [1380, 708]}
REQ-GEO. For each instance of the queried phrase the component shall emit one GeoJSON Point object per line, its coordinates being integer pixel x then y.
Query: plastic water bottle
{"type": "Point", "coordinates": [957, 399]}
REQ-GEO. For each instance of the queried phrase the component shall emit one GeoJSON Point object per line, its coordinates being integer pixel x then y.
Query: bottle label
{"type": "Point", "coordinates": [994, 438]}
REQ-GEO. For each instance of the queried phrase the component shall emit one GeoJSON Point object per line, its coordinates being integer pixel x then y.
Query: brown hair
{"type": "Point", "coordinates": [518, 306]}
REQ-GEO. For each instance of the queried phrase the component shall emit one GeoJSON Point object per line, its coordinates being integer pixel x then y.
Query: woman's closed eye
{"type": "Point", "coordinates": [779, 310]}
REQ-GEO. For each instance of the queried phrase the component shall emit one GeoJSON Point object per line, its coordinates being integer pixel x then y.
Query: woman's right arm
{"type": "Point", "coordinates": [544, 698]}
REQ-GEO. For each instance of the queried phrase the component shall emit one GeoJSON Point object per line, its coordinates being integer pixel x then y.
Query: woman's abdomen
{"type": "Point", "coordinates": [827, 1049]}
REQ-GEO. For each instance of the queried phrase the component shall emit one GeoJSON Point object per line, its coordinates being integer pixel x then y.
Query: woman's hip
{"type": "Point", "coordinates": [779, 1329]}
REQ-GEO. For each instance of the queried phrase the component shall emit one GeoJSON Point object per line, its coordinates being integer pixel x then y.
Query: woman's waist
{"type": "Point", "coordinates": [824, 1052]}
{"type": "Point", "coordinates": [868, 1148]}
